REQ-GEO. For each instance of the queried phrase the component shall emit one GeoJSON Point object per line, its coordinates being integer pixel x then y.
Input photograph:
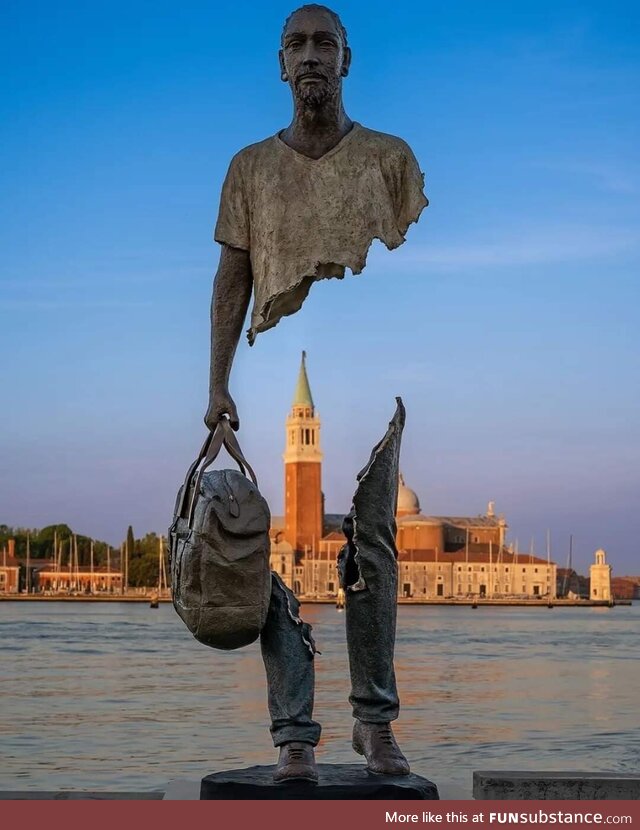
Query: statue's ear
{"type": "Point", "coordinates": [346, 61]}
{"type": "Point", "coordinates": [283, 72]}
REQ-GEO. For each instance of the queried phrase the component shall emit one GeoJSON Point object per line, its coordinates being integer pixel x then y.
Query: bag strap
{"type": "Point", "coordinates": [233, 448]}
{"type": "Point", "coordinates": [190, 472]}
{"type": "Point", "coordinates": [222, 435]}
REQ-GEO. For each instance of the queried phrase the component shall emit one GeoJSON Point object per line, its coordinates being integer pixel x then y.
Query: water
{"type": "Point", "coordinates": [120, 696]}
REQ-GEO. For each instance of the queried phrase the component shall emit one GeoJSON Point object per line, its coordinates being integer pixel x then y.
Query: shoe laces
{"type": "Point", "coordinates": [296, 753]}
{"type": "Point", "coordinates": [385, 734]}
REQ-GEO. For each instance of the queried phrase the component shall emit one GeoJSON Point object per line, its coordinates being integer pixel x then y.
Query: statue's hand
{"type": "Point", "coordinates": [221, 403]}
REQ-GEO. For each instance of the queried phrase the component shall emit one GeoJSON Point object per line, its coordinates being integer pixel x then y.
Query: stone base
{"type": "Point", "coordinates": [336, 782]}
{"type": "Point", "coordinates": [549, 786]}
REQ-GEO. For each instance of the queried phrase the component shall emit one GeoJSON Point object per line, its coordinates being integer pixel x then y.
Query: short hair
{"type": "Point", "coordinates": [318, 7]}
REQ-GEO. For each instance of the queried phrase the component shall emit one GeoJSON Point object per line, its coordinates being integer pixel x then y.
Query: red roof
{"type": "Point", "coordinates": [460, 557]}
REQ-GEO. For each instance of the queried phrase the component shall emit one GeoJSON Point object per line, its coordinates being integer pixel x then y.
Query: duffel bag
{"type": "Point", "coordinates": [219, 548]}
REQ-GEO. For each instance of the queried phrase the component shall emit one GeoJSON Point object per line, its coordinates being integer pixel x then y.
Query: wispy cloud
{"type": "Point", "coordinates": [609, 176]}
{"type": "Point", "coordinates": [552, 245]}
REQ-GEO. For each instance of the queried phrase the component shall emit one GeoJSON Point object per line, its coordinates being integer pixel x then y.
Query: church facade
{"type": "Point", "coordinates": [439, 557]}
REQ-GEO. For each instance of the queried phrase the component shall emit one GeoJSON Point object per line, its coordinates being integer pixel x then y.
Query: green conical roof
{"type": "Point", "coordinates": [302, 395]}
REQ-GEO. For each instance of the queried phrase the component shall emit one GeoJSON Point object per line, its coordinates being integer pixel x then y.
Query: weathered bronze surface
{"type": "Point", "coordinates": [300, 206]}
{"type": "Point", "coordinates": [306, 203]}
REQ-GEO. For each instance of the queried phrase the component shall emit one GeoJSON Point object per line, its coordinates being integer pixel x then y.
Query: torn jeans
{"type": "Point", "coordinates": [368, 574]}
{"type": "Point", "coordinates": [371, 629]}
{"type": "Point", "coordinates": [288, 654]}
{"type": "Point", "coordinates": [368, 571]}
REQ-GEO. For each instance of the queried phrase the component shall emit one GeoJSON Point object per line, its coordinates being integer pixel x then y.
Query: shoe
{"type": "Point", "coordinates": [296, 763]}
{"type": "Point", "coordinates": [376, 742]}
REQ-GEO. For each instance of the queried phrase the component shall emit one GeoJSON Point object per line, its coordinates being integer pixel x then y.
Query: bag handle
{"type": "Point", "coordinates": [221, 436]}
{"type": "Point", "coordinates": [233, 448]}
{"type": "Point", "coordinates": [190, 472]}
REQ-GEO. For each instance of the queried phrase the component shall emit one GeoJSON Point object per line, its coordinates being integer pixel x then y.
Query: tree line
{"type": "Point", "coordinates": [142, 554]}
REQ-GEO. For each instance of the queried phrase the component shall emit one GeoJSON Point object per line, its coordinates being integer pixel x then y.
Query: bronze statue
{"type": "Point", "coordinates": [300, 206]}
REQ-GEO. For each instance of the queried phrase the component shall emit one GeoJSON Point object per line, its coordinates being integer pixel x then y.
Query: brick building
{"type": "Point", "coordinates": [303, 521]}
{"type": "Point", "coordinates": [438, 556]}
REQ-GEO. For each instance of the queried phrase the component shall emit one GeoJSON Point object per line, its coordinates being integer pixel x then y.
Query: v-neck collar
{"type": "Point", "coordinates": [344, 140]}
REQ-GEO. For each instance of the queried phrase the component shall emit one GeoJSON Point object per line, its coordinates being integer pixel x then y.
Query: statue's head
{"type": "Point", "coordinates": [314, 56]}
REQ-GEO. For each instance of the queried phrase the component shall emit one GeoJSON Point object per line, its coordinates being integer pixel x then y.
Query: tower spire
{"type": "Point", "coordinates": [303, 469]}
{"type": "Point", "coordinates": [302, 396]}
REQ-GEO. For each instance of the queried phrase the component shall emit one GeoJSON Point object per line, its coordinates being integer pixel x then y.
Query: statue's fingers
{"type": "Point", "coordinates": [234, 421]}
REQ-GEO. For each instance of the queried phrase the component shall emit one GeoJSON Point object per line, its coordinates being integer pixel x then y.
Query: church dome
{"type": "Point", "coordinates": [408, 502]}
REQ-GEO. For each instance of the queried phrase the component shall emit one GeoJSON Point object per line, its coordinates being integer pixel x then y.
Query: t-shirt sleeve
{"type": "Point", "coordinates": [410, 198]}
{"type": "Point", "coordinates": [232, 227]}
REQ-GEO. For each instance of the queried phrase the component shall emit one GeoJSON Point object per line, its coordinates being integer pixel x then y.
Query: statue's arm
{"type": "Point", "coordinates": [230, 301]}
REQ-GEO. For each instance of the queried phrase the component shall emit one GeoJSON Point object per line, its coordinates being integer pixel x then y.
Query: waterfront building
{"type": "Point", "coordinates": [444, 533]}
{"type": "Point", "coordinates": [451, 569]}
{"type": "Point", "coordinates": [625, 587]}
{"type": "Point", "coordinates": [9, 569]}
{"type": "Point", "coordinates": [438, 556]}
{"type": "Point", "coordinates": [480, 574]}
{"type": "Point", "coordinates": [600, 578]}
{"type": "Point", "coordinates": [79, 579]}
{"type": "Point", "coordinates": [282, 559]}
{"type": "Point", "coordinates": [49, 577]}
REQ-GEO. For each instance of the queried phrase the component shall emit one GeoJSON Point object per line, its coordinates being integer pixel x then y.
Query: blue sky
{"type": "Point", "coordinates": [509, 322]}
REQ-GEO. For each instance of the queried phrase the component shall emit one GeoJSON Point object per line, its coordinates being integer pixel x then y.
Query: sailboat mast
{"type": "Point", "coordinates": [77, 562]}
{"type": "Point", "coordinates": [567, 570]}
{"type": "Point", "coordinates": [162, 571]}
{"type": "Point", "coordinates": [490, 566]}
{"type": "Point", "coordinates": [549, 565]}
{"type": "Point", "coordinates": [91, 567]}
{"type": "Point", "coordinates": [28, 580]}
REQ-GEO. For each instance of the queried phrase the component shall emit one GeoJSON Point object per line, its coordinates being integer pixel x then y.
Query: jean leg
{"type": "Point", "coordinates": [288, 654]}
{"type": "Point", "coordinates": [371, 630]}
{"type": "Point", "coordinates": [369, 574]}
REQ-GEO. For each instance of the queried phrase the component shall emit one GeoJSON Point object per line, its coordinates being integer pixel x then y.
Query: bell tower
{"type": "Point", "coordinates": [600, 578]}
{"type": "Point", "coordinates": [302, 470]}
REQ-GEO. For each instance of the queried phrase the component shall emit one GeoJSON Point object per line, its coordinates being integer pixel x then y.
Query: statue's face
{"type": "Point", "coordinates": [313, 57]}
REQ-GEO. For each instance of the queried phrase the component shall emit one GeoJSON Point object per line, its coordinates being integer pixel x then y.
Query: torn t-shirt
{"type": "Point", "coordinates": [304, 219]}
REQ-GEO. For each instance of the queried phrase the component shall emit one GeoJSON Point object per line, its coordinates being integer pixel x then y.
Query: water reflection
{"type": "Point", "coordinates": [121, 696]}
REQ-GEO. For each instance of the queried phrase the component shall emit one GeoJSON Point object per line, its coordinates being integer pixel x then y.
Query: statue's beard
{"type": "Point", "coordinates": [315, 95]}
